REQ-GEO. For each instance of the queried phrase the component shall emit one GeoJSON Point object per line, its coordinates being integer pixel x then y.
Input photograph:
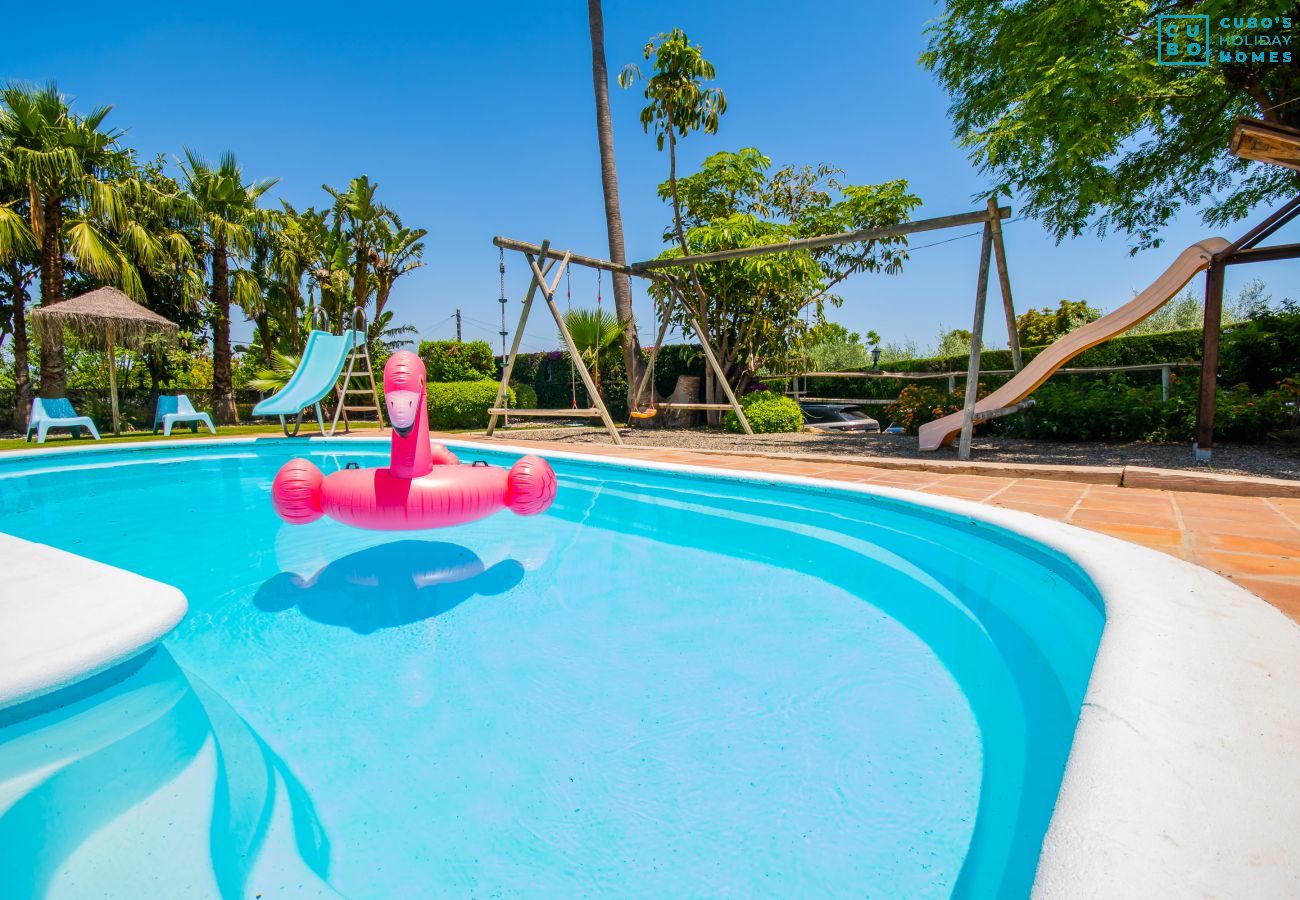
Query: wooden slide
{"type": "Point", "coordinates": [1195, 258]}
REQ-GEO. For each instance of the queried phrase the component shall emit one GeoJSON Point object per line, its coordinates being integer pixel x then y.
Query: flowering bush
{"type": "Point", "coordinates": [918, 404]}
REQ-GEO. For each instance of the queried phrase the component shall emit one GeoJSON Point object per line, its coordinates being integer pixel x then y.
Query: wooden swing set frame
{"type": "Point", "coordinates": [541, 259]}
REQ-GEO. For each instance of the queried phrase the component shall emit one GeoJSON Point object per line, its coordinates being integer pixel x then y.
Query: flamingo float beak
{"type": "Point", "coordinates": [403, 408]}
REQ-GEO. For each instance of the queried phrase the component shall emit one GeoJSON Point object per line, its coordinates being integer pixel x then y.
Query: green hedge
{"type": "Point", "coordinates": [527, 396]}
{"type": "Point", "coordinates": [1112, 409]}
{"type": "Point", "coordinates": [556, 383]}
{"type": "Point", "coordinates": [449, 361]}
{"type": "Point", "coordinates": [767, 412]}
{"type": "Point", "coordinates": [463, 404]}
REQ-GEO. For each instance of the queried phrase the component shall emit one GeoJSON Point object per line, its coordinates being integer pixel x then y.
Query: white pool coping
{"type": "Point", "coordinates": [1184, 775]}
{"type": "Point", "coordinates": [64, 618]}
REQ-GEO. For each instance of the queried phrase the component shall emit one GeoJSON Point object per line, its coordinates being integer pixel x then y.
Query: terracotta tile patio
{"type": "Point", "coordinates": [1255, 541]}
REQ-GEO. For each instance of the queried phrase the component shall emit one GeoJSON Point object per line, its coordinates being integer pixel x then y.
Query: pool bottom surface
{"type": "Point", "coordinates": [575, 703]}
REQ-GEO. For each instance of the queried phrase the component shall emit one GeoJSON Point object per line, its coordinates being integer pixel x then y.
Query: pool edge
{"type": "Point", "coordinates": [1183, 773]}
{"type": "Point", "coordinates": [1182, 776]}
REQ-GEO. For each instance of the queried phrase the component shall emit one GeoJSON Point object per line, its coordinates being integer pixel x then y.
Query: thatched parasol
{"type": "Point", "coordinates": [107, 319]}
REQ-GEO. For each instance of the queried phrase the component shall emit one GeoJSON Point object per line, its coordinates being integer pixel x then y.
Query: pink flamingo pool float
{"type": "Point", "coordinates": [424, 485]}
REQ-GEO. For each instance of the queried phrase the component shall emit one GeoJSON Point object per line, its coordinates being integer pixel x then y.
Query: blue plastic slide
{"type": "Point", "coordinates": [316, 376]}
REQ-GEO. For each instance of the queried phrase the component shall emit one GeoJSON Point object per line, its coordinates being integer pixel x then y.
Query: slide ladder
{"type": "Point", "coordinates": [331, 364]}
{"type": "Point", "coordinates": [358, 381]}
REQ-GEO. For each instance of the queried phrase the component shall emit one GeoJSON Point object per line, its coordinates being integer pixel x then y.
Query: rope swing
{"type": "Point", "coordinates": [649, 412]}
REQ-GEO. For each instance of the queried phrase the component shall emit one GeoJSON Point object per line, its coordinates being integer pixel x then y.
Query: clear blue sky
{"type": "Point", "coordinates": [477, 119]}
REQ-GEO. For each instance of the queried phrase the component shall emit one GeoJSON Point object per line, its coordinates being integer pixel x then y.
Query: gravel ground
{"type": "Point", "coordinates": [1269, 461]}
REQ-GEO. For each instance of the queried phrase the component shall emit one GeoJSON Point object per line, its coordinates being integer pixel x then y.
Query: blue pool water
{"type": "Point", "coordinates": [667, 685]}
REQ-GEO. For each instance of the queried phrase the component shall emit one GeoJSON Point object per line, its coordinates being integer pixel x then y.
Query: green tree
{"type": "Point", "coordinates": [82, 188]}
{"type": "Point", "coordinates": [18, 267]}
{"type": "Point", "coordinates": [226, 211]}
{"type": "Point", "coordinates": [1063, 103]}
{"type": "Point", "coordinates": [398, 251]}
{"type": "Point", "coordinates": [358, 215]}
{"type": "Point", "coordinates": [679, 102]}
{"type": "Point", "coordinates": [953, 342]}
{"type": "Point", "coordinates": [1038, 327]}
{"type": "Point", "coordinates": [1187, 311]}
{"type": "Point", "coordinates": [754, 305]}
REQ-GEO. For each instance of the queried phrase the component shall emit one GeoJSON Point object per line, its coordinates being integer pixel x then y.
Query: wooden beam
{"type": "Point", "coordinates": [704, 406]}
{"type": "Point", "coordinates": [1263, 254]}
{"type": "Point", "coordinates": [827, 240]}
{"type": "Point", "coordinates": [1004, 284]}
{"type": "Point", "coordinates": [1004, 410]}
{"type": "Point", "coordinates": [976, 342]}
{"type": "Point", "coordinates": [1284, 214]}
{"type": "Point", "coordinates": [543, 252]}
{"type": "Point", "coordinates": [1078, 370]}
{"type": "Point", "coordinates": [1268, 142]}
{"type": "Point", "coordinates": [1204, 445]}
{"type": "Point", "coordinates": [588, 413]}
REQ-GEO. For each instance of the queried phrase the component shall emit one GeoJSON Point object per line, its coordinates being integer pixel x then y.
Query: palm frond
{"type": "Point", "coordinates": [16, 239]}
{"type": "Point", "coordinates": [93, 252]}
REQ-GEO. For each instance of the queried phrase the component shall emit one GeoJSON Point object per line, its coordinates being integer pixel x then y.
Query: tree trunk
{"type": "Point", "coordinates": [632, 358]}
{"type": "Point", "coordinates": [53, 377]}
{"type": "Point", "coordinates": [382, 290]}
{"type": "Point", "coordinates": [295, 315]}
{"type": "Point", "coordinates": [360, 283]}
{"type": "Point", "coordinates": [710, 385]}
{"type": "Point", "coordinates": [22, 377]}
{"type": "Point", "coordinates": [223, 388]}
{"type": "Point", "coordinates": [263, 322]}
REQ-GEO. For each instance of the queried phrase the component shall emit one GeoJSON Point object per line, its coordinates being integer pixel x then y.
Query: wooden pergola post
{"type": "Point", "coordinates": [976, 345]}
{"type": "Point", "coordinates": [1203, 447]}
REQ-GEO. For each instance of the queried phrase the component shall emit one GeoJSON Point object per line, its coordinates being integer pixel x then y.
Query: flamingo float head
{"type": "Point", "coordinates": [404, 391]}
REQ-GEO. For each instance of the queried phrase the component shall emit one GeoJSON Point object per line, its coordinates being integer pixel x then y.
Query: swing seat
{"type": "Point", "coordinates": [644, 413]}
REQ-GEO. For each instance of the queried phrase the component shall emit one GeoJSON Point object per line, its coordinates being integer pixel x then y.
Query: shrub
{"type": "Point", "coordinates": [527, 396]}
{"type": "Point", "coordinates": [767, 413]}
{"type": "Point", "coordinates": [921, 403]}
{"type": "Point", "coordinates": [1108, 409]}
{"type": "Point", "coordinates": [1262, 350]}
{"type": "Point", "coordinates": [463, 404]}
{"type": "Point", "coordinates": [450, 361]}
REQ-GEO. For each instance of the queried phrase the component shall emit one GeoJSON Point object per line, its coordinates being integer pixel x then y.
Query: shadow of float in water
{"type": "Point", "coordinates": [389, 585]}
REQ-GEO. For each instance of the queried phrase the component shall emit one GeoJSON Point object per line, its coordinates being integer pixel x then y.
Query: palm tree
{"type": "Point", "coordinates": [632, 357]}
{"type": "Point", "coordinates": [598, 335]}
{"type": "Point", "coordinates": [356, 210]}
{"type": "Point", "coordinates": [76, 180]}
{"type": "Point", "coordinates": [398, 251]}
{"type": "Point", "coordinates": [297, 246]}
{"type": "Point", "coordinates": [18, 258]}
{"type": "Point", "coordinates": [225, 208]}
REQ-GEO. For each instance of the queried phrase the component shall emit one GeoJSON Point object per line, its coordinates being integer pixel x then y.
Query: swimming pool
{"type": "Point", "coordinates": [668, 684]}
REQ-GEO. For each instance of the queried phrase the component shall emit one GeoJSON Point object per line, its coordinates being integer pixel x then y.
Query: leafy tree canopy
{"type": "Point", "coordinates": [754, 303]}
{"type": "Point", "coordinates": [1037, 327]}
{"type": "Point", "coordinates": [1062, 103]}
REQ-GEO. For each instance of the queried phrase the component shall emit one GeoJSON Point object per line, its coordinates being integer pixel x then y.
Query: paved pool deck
{"type": "Point", "coordinates": [1254, 541]}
